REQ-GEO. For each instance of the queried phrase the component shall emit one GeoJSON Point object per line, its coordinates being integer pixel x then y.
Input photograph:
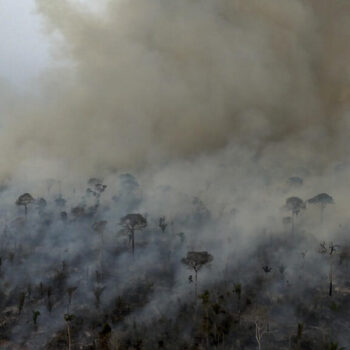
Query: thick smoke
{"type": "Point", "coordinates": [157, 80]}
{"type": "Point", "coordinates": [212, 106]}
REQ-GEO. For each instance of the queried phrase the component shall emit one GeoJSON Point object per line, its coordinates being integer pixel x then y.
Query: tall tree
{"type": "Point", "coordinates": [24, 200]}
{"type": "Point", "coordinates": [195, 261]}
{"type": "Point", "coordinates": [321, 200]}
{"type": "Point", "coordinates": [131, 223]}
{"type": "Point", "coordinates": [295, 205]}
{"type": "Point", "coordinates": [329, 251]}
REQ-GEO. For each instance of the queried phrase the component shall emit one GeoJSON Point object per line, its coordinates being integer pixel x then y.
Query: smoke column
{"type": "Point", "coordinates": [142, 82]}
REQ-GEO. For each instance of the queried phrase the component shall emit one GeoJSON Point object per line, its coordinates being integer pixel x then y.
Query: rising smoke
{"type": "Point", "coordinates": [212, 105]}
{"type": "Point", "coordinates": [158, 80]}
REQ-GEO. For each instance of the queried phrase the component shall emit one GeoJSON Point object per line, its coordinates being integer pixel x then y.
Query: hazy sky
{"type": "Point", "coordinates": [24, 49]}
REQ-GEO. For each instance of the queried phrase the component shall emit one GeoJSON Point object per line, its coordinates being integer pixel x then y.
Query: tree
{"type": "Point", "coordinates": [24, 200]}
{"type": "Point", "coordinates": [321, 200]}
{"type": "Point", "coordinates": [299, 334]}
{"type": "Point", "coordinates": [131, 223]}
{"type": "Point", "coordinates": [162, 223]}
{"type": "Point", "coordinates": [41, 204]}
{"type": "Point", "coordinates": [267, 269]}
{"type": "Point", "coordinates": [295, 205]}
{"type": "Point", "coordinates": [35, 315]}
{"type": "Point", "coordinates": [68, 318]}
{"type": "Point", "coordinates": [295, 181]}
{"type": "Point", "coordinates": [259, 316]}
{"type": "Point", "coordinates": [287, 220]}
{"type": "Point", "coordinates": [330, 251]}
{"type": "Point", "coordinates": [237, 289]}
{"type": "Point", "coordinates": [97, 190]}
{"type": "Point", "coordinates": [195, 261]}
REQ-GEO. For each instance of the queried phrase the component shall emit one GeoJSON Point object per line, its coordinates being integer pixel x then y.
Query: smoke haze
{"type": "Point", "coordinates": [200, 111]}
{"type": "Point", "coordinates": [151, 81]}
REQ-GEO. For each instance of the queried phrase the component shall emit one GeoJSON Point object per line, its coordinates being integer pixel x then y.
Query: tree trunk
{"type": "Point", "coordinates": [331, 277]}
{"type": "Point", "coordinates": [195, 283]}
{"type": "Point", "coordinates": [258, 336]}
{"type": "Point", "coordinates": [133, 242]}
{"type": "Point", "coordinates": [101, 252]}
{"type": "Point", "coordinates": [68, 336]}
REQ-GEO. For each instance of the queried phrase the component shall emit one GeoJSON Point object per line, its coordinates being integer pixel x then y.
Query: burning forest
{"type": "Point", "coordinates": [177, 178]}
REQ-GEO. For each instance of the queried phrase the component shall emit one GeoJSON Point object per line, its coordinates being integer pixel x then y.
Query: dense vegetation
{"type": "Point", "coordinates": [98, 273]}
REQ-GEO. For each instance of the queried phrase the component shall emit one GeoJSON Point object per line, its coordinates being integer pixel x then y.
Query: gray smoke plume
{"type": "Point", "coordinates": [157, 80]}
{"type": "Point", "coordinates": [220, 110]}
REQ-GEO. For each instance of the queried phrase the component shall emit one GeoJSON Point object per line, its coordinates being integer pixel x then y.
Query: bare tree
{"type": "Point", "coordinates": [330, 251]}
{"type": "Point", "coordinates": [295, 205]}
{"type": "Point", "coordinates": [24, 200]}
{"type": "Point", "coordinates": [131, 223]}
{"type": "Point", "coordinates": [258, 315]}
{"type": "Point", "coordinates": [195, 261]}
{"type": "Point", "coordinates": [321, 200]}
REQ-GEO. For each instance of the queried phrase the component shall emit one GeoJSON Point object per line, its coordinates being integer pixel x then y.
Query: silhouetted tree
{"type": "Point", "coordinates": [68, 318]}
{"type": "Point", "coordinates": [195, 261]}
{"type": "Point", "coordinates": [35, 315]}
{"type": "Point", "coordinates": [24, 200]}
{"type": "Point", "coordinates": [267, 269]}
{"type": "Point", "coordinates": [237, 289]}
{"type": "Point", "coordinates": [321, 200]}
{"type": "Point", "coordinates": [131, 223]}
{"type": "Point", "coordinates": [295, 205]}
{"type": "Point", "coordinates": [162, 224]}
{"type": "Point", "coordinates": [330, 251]}
{"type": "Point", "coordinates": [299, 334]}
